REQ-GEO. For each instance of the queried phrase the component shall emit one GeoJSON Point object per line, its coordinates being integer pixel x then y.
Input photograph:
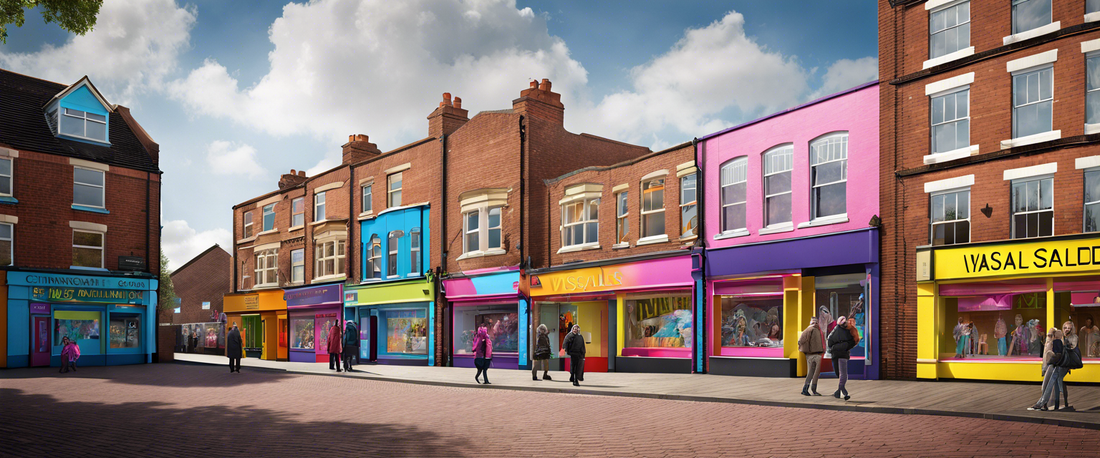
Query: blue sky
{"type": "Point", "coordinates": [237, 93]}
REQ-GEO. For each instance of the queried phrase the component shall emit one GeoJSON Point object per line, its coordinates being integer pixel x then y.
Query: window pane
{"type": "Point", "coordinates": [831, 199]}
{"type": "Point", "coordinates": [949, 201]}
{"type": "Point", "coordinates": [471, 242]}
{"type": "Point", "coordinates": [655, 200]}
{"type": "Point", "coordinates": [1092, 6]}
{"type": "Point", "coordinates": [330, 267]}
{"type": "Point", "coordinates": [1032, 195]}
{"type": "Point", "coordinates": [654, 224]}
{"type": "Point", "coordinates": [943, 138]}
{"type": "Point", "coordinates": [87, 257]}
{"type": "Point", "coordinates": [92, 177]}
{"type": "Point", "coordinates": [1019, 90]}
{"type": "Point", "coordinates": [733, 217]}
{"type": "Point", "coordinates": [1030, 14]}
{"type": "Point", "coordinates": [5, 231]}
{"type": "Point", "coordinates": [779, 209]}
{"type": "Point", "coordinates": [622, 209]}
{"type": "Point", "coordinates": [1046, 194]}
{"type": "Point", "coordinates": [828, 173]}
{"type": "Point", "coordinates": [949, 234]}
{"type": "Point", "coordinates": [5, 253]}
{"type": "Point", "coordinates": [688, 220]}
{"type": "Point", "coordinates": [591, 232]}
{"type": "Point", "coordinates": [494, 238]}
{"type": "Point", "coordinates": [962, 134]}
{"type": "Point", "coordinates": [395, 199]}
{"type": "Point", "coordinates": [937, 109]}
{"type": "Point", "coordinates": [780, 182]}
{"type": "Point", "coordinates": [578, 233]}
{"type": "Point", "coordinates": [395, 181]}
{"type": "Point", "coordinates": [494, 217]}
{"type": "Point", "coordinates": [471, 221]}
{"type": "Point", "coordinates": [298, 274]}
{"type": "Point", "coordinates": [1046, 223]}
{"type": "Point", "coordinates": [1046, 83]}
{"type": "Point", "coordinates": [962, 232]}
{"type": "Point", "coordinates": [96, 131]}
{"type": "Point", "coordinates": [1092, 107]}
{"type": "Point", "coordinates": [87, 195]}
{"type": "Point", "coordinates": [1092, 218]}
{"type": "Point", "coordinates": [963, 206]}
{"type": "Point", "coordinates": [593, 210]}
{"type": "Point", "coordinates": [5, 167]}
{"type": "Point", "coordinates": [949, 107]}
{"type": "Point", "coordinates": [91, 239]}
{"type": "Point", "coordinates": [5, 185]}
{"type": "Point", "coordinates": [939, 21]}
{"type": "Point", "coordinates": [938, 231]}
{"type": "Point", "coordinates": [72, 126]}
{"type": "Point", "coordinates": [1092, 185]}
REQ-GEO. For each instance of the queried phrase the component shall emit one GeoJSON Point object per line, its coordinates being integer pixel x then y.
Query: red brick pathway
{"type": "Point", "coordinates": [190, 411]}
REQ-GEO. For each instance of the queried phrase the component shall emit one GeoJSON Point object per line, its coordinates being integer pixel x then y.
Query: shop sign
{"type": "Point", "coordinates": [50, 280]}
{"type": "Point", "coordinates": [351, 297]}
{"type": "Point", "coordinates": [658, 306]}
{"type": "Point", "coordinates": [312, 296]}
{"type": "Point", "coordinates": [205, 305]}
{"type": "Point", "coordinates": [583, 280]}
{"type": "Point", "coordinates": [38, 308]}
{"type": "Point", "coordinates": [1045, 257]}
{"type": "Point", "coordinates": [86, 295]}
{"type": "Point", "coordinates": [653, 273]}
{"type": "Point", "coordinates": [252, 302]}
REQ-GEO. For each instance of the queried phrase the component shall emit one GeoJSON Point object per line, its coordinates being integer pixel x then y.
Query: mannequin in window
{"type": "Point", "coordinates": [1000, 331]}
{"type": "Point", "coordinates": [1020, 336]}
{"type": "Point", "coordinates": [1035, 342]}
{"type": "Point", "coordinates": [962, 338]}
{"type": "Point", "coordinates": [1090, 338]}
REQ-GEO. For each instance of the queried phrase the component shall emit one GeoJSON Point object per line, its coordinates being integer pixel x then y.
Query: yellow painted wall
{"type": "Point", "coordinates": [592, 317]}
{"type": "Point", "coordinates": [1012, 371]}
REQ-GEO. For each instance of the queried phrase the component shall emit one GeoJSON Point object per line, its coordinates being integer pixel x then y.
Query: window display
{"type": "Point", "coordinates": [211, 335]}
{"type": "Point", "coordinates": [502, 322]}
{"type": "Point", "coordinates": [752, 321]}
{"type": "Point", "coordinates": [301, 333]}
{"type": "Point", "coordinates": [993, 326]}
{"type": "Point", "coordinates": [324, 322]}
{"type": "Point", "coordinates": [406, 331]}
{"type": "Point", "coordinates": [1081, 309]}
{"type": "Point", "coordinates": [843, 295]}
{"type": "Point", "coordinates": [126, 331]}
{"type": "Point", "coordinates": [81, 327]}
{"type": "Point", "coordinates": [658, 322]}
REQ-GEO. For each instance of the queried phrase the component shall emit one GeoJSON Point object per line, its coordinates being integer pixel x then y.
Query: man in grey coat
{"type": "Point", "coordinates": [574, 347]}
{"type": "Point", "coordinates": [233, 349]}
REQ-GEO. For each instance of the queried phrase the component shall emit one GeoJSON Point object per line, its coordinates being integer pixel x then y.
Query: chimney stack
{"type": "Point", "coordinates": [539, 101]}
{"type": "Point", "coordinates": [292, 179]}
{"type": "Point", "coordinates": [359, 148]}
{"type": "Point", "coordinates": [448, 117]}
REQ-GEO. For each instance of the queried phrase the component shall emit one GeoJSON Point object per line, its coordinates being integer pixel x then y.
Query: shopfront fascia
{"type": "Point", "coordinates": [110, 317]}
{"type": "Point", "coordinates": [313, 311]}
{"type": "Point", "coordinates": [983, 309]}
{"type": "Point", "coordinates": [635, 316]}
{"type": "Point", "coordinates": [489, 298]}
{"type": "Point", "coordinates": [760, 297]}
{"type": "Point", "coordinates": [261, 317]}
{"type": "Point", "coordinates": [395, 321]}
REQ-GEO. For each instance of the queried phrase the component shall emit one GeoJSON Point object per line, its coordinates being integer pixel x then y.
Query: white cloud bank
{"type": "Point", "coordinates": [181, 243]}
{"type": "Point", "coordinates": [847, 73]}
{"type": "Point", "coordinates": [232, 158]}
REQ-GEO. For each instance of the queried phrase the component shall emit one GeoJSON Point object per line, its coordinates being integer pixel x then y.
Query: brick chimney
{"type": "Point", "coordinates": [292, 179]}
{"type": "Point", "coordinates": [359, 148]}
{"type": "Point", "coordinates": [448, 117]}
{"type": "Point", "coordinates": [539, 101]}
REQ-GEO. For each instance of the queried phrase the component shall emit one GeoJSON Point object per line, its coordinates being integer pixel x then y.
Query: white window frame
{"type": "Point", "coordinates": [297, 266]}
{"type": "Point", "coordinates": [467, 231]}
{"type": "Point", "coordinates": [374, 259]}
{"type": "Point", "coordinates": [944, 121]}
{"type": "Point", "coordinates": [1093, 127]}
{"type": "Point", "coordinates": [248, 225]}
{"type": "Point", "coordinates": [393, 253]}
{"type": "Point", "coordinates": [102, 249]}
{"type": "Point", "coordinates": [826, 141]}
{"type": "Point", "coordinates": [267, 271]}
{"type": "Point", "coordinates": [932, 223]}
{"type": "Point", "coordinates": [489, 228]}
{"type": "Point", "coordinates": [786, 150]}
{"type": "Point", "coordinates": [1027, 73]}
{"type": "Point", "coordinates": [585, 208]}
{"type": "Point", "coordinates": [414, 252]}
{"type": "Point", "coordinates": [734, 172]}
{"type": "Point", "coordinates": [83, 117]}
{"type": "Point", "coordinates": [102, 188]}
{"type": "Point", "coordinates": [1085, 209]}
{"type": "Point", "coordinates": [1092, 16]}
{"type": "Point", "coordinates": [622, 218]}
{"type": "Point", "coordinates": [339, 255]}
{"type": "Point", "coordinates": [391, 190]}
{"type": "Point", "coordinates": [366, 194]}
{"type": "Point", "coordinates": [319, 203]}
{"type": "Point", "coordinates": [8, 177]}
{"type": "Point", "coordinates": [267, 210]}
{"type": "Point", "coordinates": [1012, 204]}
{"type": "Point", "coordinates": [685, 206]}
{"type": "Point", "coordinates": [644, 234]}
{"type": "Point", "coordinates": [1013, 13]}
{"type": "Point", "coordinates": [941, 9]}
{"type": "Point", "coordinates": [11, 241]}
{"type": "Point", "coordinates": [298, 219]}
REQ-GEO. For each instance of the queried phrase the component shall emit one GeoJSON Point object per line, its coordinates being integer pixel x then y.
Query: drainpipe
{"type": "Point", "coordinates": [522, 191]}
{"type": "Point", "coordinates": [440, 296]}
{"type": "Point", "coordinates": [351, 225]}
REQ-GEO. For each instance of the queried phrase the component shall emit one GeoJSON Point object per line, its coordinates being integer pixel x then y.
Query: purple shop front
{"type": "Point", "coordinates": [489, 298]}
{"type": "Point", "coordinates": [312, 311]}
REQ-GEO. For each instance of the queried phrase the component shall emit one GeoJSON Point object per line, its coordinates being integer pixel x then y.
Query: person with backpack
{"type": "Point", "coordinates": [70, 352]}
{"type": "Point", "coordinates": [483, 354]}
{"type": "Point", "coordinates": [812, 343]}
{"type": "Point", "coordinates": [1071, 360]}
{"type": "Point", "coordinates": [841, 341]}
{"type": "Point", "coordinates": [335, 346]}
{"type": "Point", "coordinates": [351, 344]}
{"type": "Point", "coordinates": [542, 354]}
{"type": "Point", "coordinates": [1055, 371]}
{"type": "Point", "coordinates": [574, 347]}
{"type": "Point", "coordinates": [234, 348]}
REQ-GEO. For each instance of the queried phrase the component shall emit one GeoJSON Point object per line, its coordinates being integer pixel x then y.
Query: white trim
{"type": "Point", "coordinates": [296, 228]}
{"type": "Point", "coordinates": [938, 158]}
{"type": "Point", "coordinates": [15, 219]}
{"type": "Point", "coordinates": [85, 226]}
{"type": "Point", "coordinates": [581, 247]}
{"type": "Point", "coordinates": [266, 246]}
{"type": "Point", "coordinates": [1049, 28]}
{"type": "Point", "coordinates": [686, 172]}
{"type": "Point", "coordinates": [8, 152]}
{"type": "Point", "coordinates": [329, 278]}
{"type": "Point", "coordinates": [651, 175]}
{"type": "Point", "coordinates": [948, 84]}
{"type": "Point", "coordinates": [949, 183]}
{"type": "Point", "coordinates": [1026, 63]}
{"type": "Point", "coordinates": [620, 187]}
{"type": "Point", "coordinates": [965, 52]}
{"type": "Point", "coordinates": [686, 165]}
{"type": "Point", "coordinates": [329, 236]}
{"type": "Point", "coordinates": [268, 201]}
{"type": "Point", "coordinates": [1092, 129]}
{"type": "Point", "coordinates": [365, 215]}
{"type": "Point", "coordinates": [400, 168]}
{"type": "Point", "coordinates": [270, 231]}
{"type": "Point", "coordinates": [89, 164]}
{"type": "Point", "coordinates": [1087, 162]}
{"type": "Point", "coordinates": [1092, 17]}
{"type": "Point", "coordinates": [366, 180]}
{"type": "Point", "coordinates": [927, 361]}
{"type": "Point", "coordinates": [480, 254]}
{"type": "Point", "coordinates": [659, 238]}
{"type": "Point", "coordinates": [619, 246]}
{"type": "Point", "coordinates": [825, 221]}
{"type": "Point", "coordinates": [1090, 46]}
{"type": "Point", "coordinates": [1032, 139]}
{"type": "Point", "coordinates": [326, 187]}
{"type": "Point", "coordinates": [934, 4]}
{"type": "Point", "coordinates": [777, 228]}
{"type": "Point", "coordinates": [315, 223]}
{"type": "Point", "coordinates": [732, 234]}
{"type": "Point", "coordinates": [1049, 168]}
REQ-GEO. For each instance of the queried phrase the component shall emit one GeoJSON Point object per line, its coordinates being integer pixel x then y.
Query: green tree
{"type": "Point", "coordinates": [76, 16]}
{"type": "Point", "coordinates": [166, 292]}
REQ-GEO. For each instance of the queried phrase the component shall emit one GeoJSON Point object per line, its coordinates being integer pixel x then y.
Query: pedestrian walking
{"type": "Point", "coordinates": [1070, 361]}
{"type": "Point", "coordinates": [335, 346]}
{"type": "Point", "coordinates": [70, 352]}
{"type": "Point", "coordinates": [841, 342]}
{"type": "Point", "coordinates": [542, 354]}
{"type": "Point", "coordinates": [1054, 372]}
{"type": "Point", "coordinates": [351, 344]}
{"type": "Point", "coordinates": [574, 347]}
{"type": "Point", "coordinates": [812, 344]}
{"type": "Point", "coordinates": [483, 354]}
{"type": "Point", "coordinates": [234, 348]}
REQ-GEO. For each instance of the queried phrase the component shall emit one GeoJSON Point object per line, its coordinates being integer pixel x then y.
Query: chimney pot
{"type": "Point", "coordinates": [361, 138]}
{"type": "Point", "coordinates": [292, 172]}
{"type": "Point", "coordinates": [440, 104]}
{"type": "Point", "coordinates": [447, 98]}
{"type": "Point", "coordinates": [545, 86]}
{"type": "Point", "coordinates": [458, 102]}
{"type": "Point", "coordinates": [534, 84]}
{"type": "Point", "coordinates": [351, 138]}
{"type": "Point", "coordinates": [302, 173]}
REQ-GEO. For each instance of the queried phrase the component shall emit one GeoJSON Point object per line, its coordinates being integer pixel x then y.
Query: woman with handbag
{"type": "Point", "coordinates": [1071, 360]}
{"type": "Point", "coordinates": [483, 354]}
{"type": "Point", "coordinates": [1055, 371]}
{"type": "Point", "coordinates": [542, 354]}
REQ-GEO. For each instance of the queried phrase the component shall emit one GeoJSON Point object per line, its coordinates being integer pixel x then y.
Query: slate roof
{"type": "Point", "coordinates": [23, 126]}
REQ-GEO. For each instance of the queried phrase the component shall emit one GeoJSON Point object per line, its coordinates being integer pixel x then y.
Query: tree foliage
{"type": "Point", "coordinates": [166, 293]}
{"type": "Point", "coordinates": [76, 16]}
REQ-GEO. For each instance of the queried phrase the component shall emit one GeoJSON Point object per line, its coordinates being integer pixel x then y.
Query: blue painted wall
{"type": "Point", "coordinates": [405, 220]}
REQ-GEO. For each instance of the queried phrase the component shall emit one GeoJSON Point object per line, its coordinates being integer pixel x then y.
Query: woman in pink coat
{"type": "Point", "coordinates": [70, 352]}
{"type": "Point", "coordinates": [483, 354]}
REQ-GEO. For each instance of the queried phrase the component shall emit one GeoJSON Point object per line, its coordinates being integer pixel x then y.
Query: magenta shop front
{"type": "Point", "coordinates": [312, 312]}
{"type": "Point", "coordinates": [489, 298]}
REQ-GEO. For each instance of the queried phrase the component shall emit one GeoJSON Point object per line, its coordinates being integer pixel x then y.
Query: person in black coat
{"type": "Point", "coordinates": [351, 344]}
{"type": "Point", "coordinates": [841, 341]}
{"type": "Point", "coordinates": [233, 349]}
{"type": "Point", "coordinates": [574, 347]}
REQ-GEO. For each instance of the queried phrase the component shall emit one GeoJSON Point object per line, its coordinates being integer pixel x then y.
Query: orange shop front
{"type": "Point", "coordinates": [262, 319]}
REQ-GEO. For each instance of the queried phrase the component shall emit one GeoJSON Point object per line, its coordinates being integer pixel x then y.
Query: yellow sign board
{"type": "Point", "coordinates": [592, 279]}
{"type": "Point", "coordinates": [1067, 256]}
{"type": "Point", "coordinates": [262, 300]}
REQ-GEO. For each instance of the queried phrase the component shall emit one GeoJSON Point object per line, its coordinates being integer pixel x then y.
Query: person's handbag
{"type": "Point", "coordinates": [1071, 359]}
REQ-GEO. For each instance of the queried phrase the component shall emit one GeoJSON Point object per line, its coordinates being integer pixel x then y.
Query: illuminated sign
{"type": "Point", "coordinates": [1042, 257]}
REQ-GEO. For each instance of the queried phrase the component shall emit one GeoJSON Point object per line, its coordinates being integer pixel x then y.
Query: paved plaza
{"type": "Point", "coordinates": [203, 410]}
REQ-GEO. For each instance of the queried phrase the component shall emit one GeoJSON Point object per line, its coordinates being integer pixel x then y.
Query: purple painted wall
{"type": "Point", "coordinates": [855, 111]}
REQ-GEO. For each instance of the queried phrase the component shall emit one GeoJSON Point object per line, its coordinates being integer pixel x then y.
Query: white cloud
{"type": "Point", "coordinates": [846, 74]}
{"type": "Point", "coordinates": [180, 242]}
{"type": "Point", "coordinates": [378, 67]}
{"type": "Point", "coordinates": [132, 49]}
{"type": "Point", "coordinates": [232, 158]}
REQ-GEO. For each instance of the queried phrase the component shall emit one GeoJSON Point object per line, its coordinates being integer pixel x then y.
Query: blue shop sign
{"type": "Point", "coordinates": [109, 296]}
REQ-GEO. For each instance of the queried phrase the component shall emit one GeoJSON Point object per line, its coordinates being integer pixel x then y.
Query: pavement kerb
{"type": "Point", "coordinates": [690, 398]}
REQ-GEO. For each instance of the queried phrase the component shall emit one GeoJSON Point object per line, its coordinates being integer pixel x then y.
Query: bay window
{"type": "Point", "coordinates": [267, 267]}
{"type": "Point", "coordinates": [329, 256]}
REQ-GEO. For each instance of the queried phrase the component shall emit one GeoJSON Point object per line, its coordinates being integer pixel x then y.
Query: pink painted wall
{"type": "Point", "coordinates": [855, 112]}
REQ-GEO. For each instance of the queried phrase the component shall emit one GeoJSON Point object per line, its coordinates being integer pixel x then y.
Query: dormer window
{"type": "Point", "coordinates": [76, 123]}
{"type": "Point", "coordinates": [79, 113]}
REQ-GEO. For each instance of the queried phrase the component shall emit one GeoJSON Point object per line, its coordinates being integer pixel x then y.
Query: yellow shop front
{"type": "Point", "coordinates": [983, 309]}
{"type": "Point", "coordinates": [262, 318]}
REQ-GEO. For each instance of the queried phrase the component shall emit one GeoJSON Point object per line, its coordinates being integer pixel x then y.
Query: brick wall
{"type": "Point", "coordinates": [203, 279]}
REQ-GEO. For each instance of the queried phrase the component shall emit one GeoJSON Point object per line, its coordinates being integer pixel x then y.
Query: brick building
{"type": "Point", "coordinates": [989, 178]}
{"type": "Point", "coordinates": [201, 284]}
{"type": "Point", "coordinates": [81, 265]}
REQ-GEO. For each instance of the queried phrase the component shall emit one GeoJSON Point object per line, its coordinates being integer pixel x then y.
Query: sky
{"type": "Point", "coordinates": [238, 93]}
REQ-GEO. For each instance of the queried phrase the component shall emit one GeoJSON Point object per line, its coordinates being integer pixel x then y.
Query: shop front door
{"type": "Point", "coordinates": [40, 344]}
{"type": "Point", "coordinates": [548, 315]}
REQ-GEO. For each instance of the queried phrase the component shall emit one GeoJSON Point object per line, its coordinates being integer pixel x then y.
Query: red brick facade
{"type": "Point", "coordinates": [203, 279]}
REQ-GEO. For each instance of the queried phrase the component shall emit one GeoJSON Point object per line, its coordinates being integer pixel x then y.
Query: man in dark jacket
{"type": "Point", "coordinates": [233, 349]}
{"type": "Point", "coordinates": [574, 347]}
{"type": "Point", "coordinates": [351, 344]}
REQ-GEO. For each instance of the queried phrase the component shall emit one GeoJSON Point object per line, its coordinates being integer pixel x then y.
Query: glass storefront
{"type": "Point", "coordinates": [657, 323]}
{"type": "Point", "coordinates": [81, 327]}
{"type": "Point", "coordinates": [403, 332]}
{"type": "Point", "coordinates": [752, 321]}
{"type": "Point", "coordinates": [126, 331]}
{"type": "Point", "coordinates": [301, 333]}
{"type": "Point", "coordinates": [843, 295]}
{"type": "Point", "coordinates": [501, 322]}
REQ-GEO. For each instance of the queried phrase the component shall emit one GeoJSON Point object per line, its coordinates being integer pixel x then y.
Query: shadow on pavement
{"type": "Point", "coordinates": [34, 423]}
{"type": "Point", "coordinates": [156, 375]}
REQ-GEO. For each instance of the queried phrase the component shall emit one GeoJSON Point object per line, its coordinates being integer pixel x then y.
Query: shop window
{"type": "Point", "coordinates": [778, 163]}
{"type": "Point", "coordinates": [1030, 14]}
{"type": "Point", "coordinates": [1033, 208]}
{"type": "Point", "coordinates": [301, 333]}
{"type": "Point", "coordinates": [368, 205]}
{"type": "Point", "coordinates": [1092, 200]}
{"type": "Point", "coordinates": [414, 251]}
{"type": "Point", "coordinates": [949, 30]}
{"type": "Point", "coordinates": [406, 332]}
{"type": "Point", "coordinates": [393, 249]}
{"type": "Point", "coordinates": [298, 212]}
{"type": "Point", "coordinates": [5, 177]}
{"type": "Point", "coordinates": [752, 321]}
{"type": "Point", "coordinates": [374, 259]}
{"type": "Point", "coordinates": [657, 323]}
{"type": "Point", "coordinates": [653, 207]}
{"type": "Point", "coordinates": [88, 249]}
{"type": "Point", "coordinates": [82, 124]}
{"type": "Point", "coordinates": [81, 327]}
{"type": "Point", "coordinates": [394, 192]}
{"type": "Point", "coordinates": [267, 266]}
{"type": "Point", "coordinates": [829, 175]}
{"type": "Point", "coordinates": [126, 331]}
{"type": "Point", "coordinates": [472, 237]}
{"type": "Point", "coordinates": [580, 223]}
{"type": "Point", "coordinates": [298, 266]}
{"type": "Point", "coordinates": [843, 295]}
{"type": "Point", "coordinates": [501, 321]}
{"type": "Point", "coordinates": [88, 187]}
{"type": "Point", "coordinates": [1032, 102]}
{"type": "Point", "coordinates": [330, 258]}
{"type": "Point", "coordinates": [1079, 308]}
{"type": "Point", "coordinates": [734, 184]}
{"type": "Point", "coordinates": [7, 244]}
{"type": "Point", "coordinates": [319, 207]}
{"type": "Point", "coordinates": [247, 225]}
{"type": "Point", "coordinates": [951, 121]}
{"type": "Point", "coordinates": [688, 220]}
{"type": "Point", "coordinates": [951, 217]}
{"type": "Point", "coordinates": [1092, 88]}
{"type": "Point", "coordinates": [622, 224]}
{"type": "Point", "coordinates": [993, 326]}
{"type": "Point", "coordinates": [269, 217]}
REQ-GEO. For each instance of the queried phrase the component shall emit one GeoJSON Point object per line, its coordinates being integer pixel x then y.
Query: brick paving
{"type": "Point", "coordinates": [197, 410]}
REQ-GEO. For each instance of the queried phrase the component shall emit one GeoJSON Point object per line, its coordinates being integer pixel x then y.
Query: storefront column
{"type": "Point", "coordinates": [803, 303]}
{"type": "Point", "coordinates": [620, 339]}
{"type": "Point", "coordinates": [1051, 306]}
{"type": "Point", "coordinates": [928, 334]}
{"type": "Point", "coordinates": [524, 320]}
